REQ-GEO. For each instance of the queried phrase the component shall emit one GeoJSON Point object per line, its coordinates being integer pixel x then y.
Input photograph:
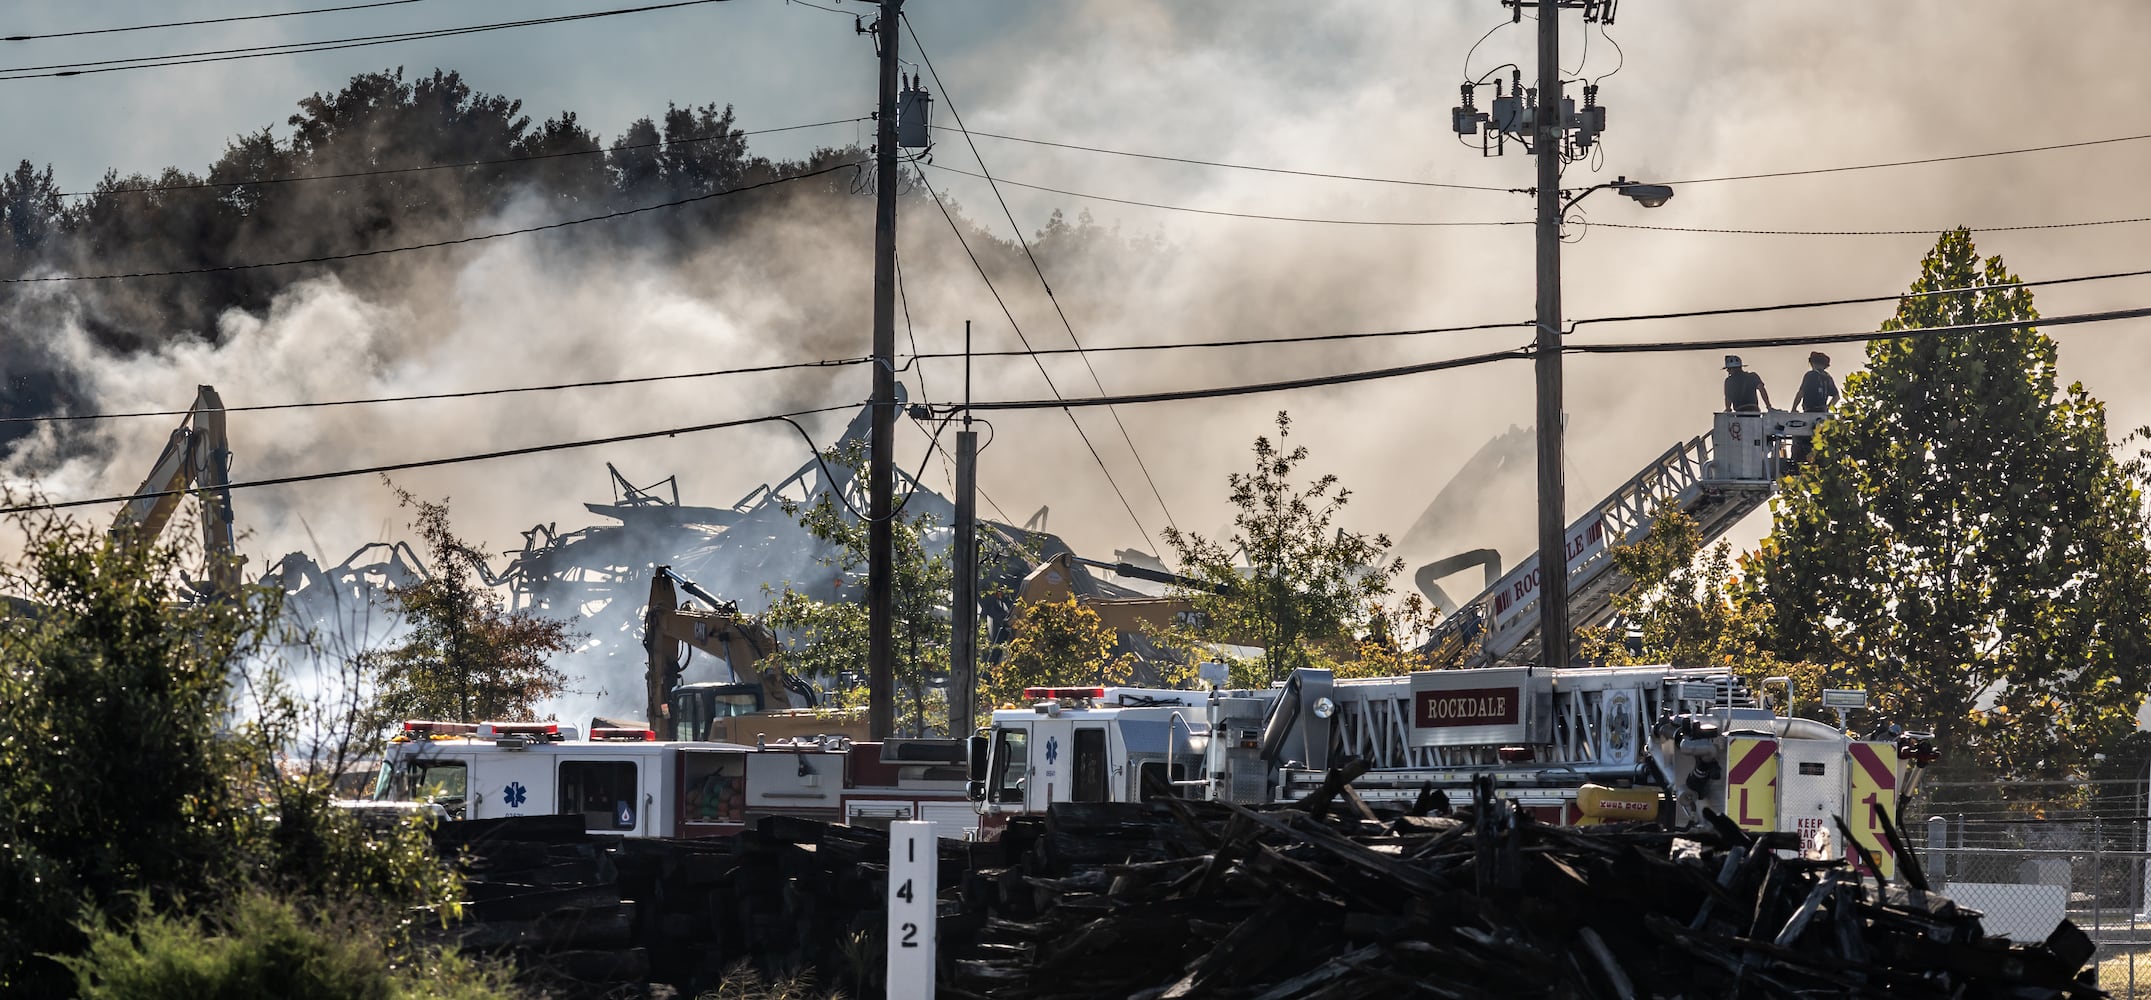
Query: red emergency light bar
{"type": "Point", "coordinates": [426, 727]}
{"type": "Point", "coordinates": [1056, 694]}
{"type": "Point", "coordinates": [541, 730]}
{"type": "Point", "coordinates": [629, 735]}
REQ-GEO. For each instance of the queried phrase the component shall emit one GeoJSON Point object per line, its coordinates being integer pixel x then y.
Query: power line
{"type": "Point", "coordinates": [418, 168]}
{"type": "Point", "coordinates": [1140, 465]}
{"type": "Point", "coordinates": [1315, 338]}
{"type": "Point", "coordinates": [1526, 324]}
{"type": "Point", "coordinates": [325, 45]}
{"type": "Point", "coordinates": [1860, 300]}
{"type": "Point", "coordinates": [1242, 166]}
{"type": "Point", "coordinates": [1225, 214]}
{"type": "Point", "coordinates": [427, 463]}
{"type": "Point", "coordinates": [1914, 163]}
{"type": "Point", "coordinates": [1217, 392]}
{"type": "Point", "coordinates": [1875, 232]}
{"type": "Point", "coordinates": [1804, 340]}
{"type": "Point", "coordinates": [1026, 341]}
{"type": "Point", "coordinates": [211, 20]}
{"type": "Point", "coordinates": [1469, 361]}
{"type": "Point", "coordinates": [463, 394]}
{"type": "Point", "coordinates": [623, 213]}
{"type": "Point", "coordinates": [1362, 178]}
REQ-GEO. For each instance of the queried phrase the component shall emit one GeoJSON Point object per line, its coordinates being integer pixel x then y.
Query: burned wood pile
{"type": "Point", "coordinates": [592, 916]}
{"type": "Point", "coordinates": [1188, 899]}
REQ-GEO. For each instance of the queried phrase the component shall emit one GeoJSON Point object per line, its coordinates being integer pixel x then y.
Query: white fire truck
{"type": "Point", "coordinates": [626, 782]}
{"type": "Point", "coordinates": [1578, 745]}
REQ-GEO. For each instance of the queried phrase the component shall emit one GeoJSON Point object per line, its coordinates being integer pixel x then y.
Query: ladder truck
{"type": "Point", "coordinates": [1576, 745]}
{"type": "Point", "coordinates": [1716, 478]}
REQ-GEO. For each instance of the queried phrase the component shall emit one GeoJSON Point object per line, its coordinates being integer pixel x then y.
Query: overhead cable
{"type": "Point", "coordinates": [1232, 215]}
{"type": "Point", "coordinates": [1803, 340]}
{"type": "Point", "coordinates": [428, 463]}
{"type": "Point", "coordinates": [1875, 232]}
{"type": "Point", "coordinates": [1028, 255]}
{"type": "Point", "coordinates": [325, 45]}
{"type": "Point", "coordinates": [1217, 392]}
{"type": "Point", "coordinates": [621, 214]}
{"type": "Point", "coordinates": [462, 394]}
{"type": "Point", "coordinates": [207, 20]}
{"type": "Point", "coordinates": [1469, 361]}
{"type": "Point", "coordinates": [1245, 166]}
{"type": "Point", "coordinates": [1026, 341]}
{"type": "Point", "coordinates": [1860, 300]}
{"type": "Point", "coordinates": [1362, 178]}
{"type": "Point", "coordinates": [417, 168]}
{"type": "Point", "coordinates": [1913, 163]}
{"type": "Point", "coordinates": [1527, 324]}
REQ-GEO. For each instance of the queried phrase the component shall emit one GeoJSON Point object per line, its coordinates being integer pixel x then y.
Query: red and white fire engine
{"type": "Point", "coordinates": [1577, 745]}
{"type": "Point", "coordinates": [626, 782]}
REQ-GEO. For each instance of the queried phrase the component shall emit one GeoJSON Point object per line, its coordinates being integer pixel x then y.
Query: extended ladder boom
{"type": "Point", "coordinates": [1716, 479]}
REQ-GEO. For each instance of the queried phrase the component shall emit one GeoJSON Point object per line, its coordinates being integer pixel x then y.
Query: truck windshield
{"type": "Point", "coordinates": [1011, 764]}
{"type": "Point", "coordinates": [442, 781]}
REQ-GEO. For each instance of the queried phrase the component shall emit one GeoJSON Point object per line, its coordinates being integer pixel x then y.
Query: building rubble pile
{"type": "Point", "coordinates": [1330, 898]}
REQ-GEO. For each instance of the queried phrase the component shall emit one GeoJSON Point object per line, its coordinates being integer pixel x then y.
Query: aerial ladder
{"type": "Point", "coordinates": [198, 457]}
{"type": "Point", "coordinates": [1715, 478]}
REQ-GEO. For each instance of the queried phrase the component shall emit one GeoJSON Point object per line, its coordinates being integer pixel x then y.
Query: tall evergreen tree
{"type": "Point", "coordinates": [1963, 537]}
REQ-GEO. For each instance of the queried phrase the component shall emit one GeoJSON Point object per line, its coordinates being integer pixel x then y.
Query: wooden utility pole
{"type": "Point", "coordinates": [1547, 134]}
{"type": "Point", "coordinates": [963, 603]}
{"type": "Point", "coordinates": [881, 475]}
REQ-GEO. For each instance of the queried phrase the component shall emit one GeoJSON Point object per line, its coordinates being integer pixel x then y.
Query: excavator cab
{"type": "Point", "coordinates": [695, 707]}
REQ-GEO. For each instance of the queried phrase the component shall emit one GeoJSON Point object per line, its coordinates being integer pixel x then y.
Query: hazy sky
{"type": "Point", "coordinates": [1703, 89]}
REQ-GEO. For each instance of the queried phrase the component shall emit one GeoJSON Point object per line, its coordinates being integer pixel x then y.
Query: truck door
{"type": "Point", "coordinates": [1087, 779]}
{"type": "Point", "coordinates": [511, 783]}
{"type": "Point", "coordinates": [1009, 768]}
{"type": "Point", "coordinates": [1812, 790]}
{"type": "Point", "coordinates": [1052, 746]}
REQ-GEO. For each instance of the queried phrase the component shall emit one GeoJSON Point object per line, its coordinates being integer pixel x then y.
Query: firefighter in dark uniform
{"type": "Point", "coordinates": [1744, 392]}
{"type": "Point", "coordinates": [1817, 391]}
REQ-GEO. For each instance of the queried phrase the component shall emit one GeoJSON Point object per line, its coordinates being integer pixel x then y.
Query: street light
{"type": "Point", "coordinates": [1646, 195]}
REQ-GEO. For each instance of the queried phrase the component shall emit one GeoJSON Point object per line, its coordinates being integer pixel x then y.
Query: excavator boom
{"type": "Point", "coordinates": [197, 456]}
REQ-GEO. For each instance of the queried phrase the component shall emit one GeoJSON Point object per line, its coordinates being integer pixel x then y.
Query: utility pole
{"type": "Point", "coordinates": [1548, 133]}
{"type": "Point", "coordinates": [881, 475]}
{"type": "Point", "coordinates": [963, 603]}
{"type": "Point", "coordinates": [1549, 124]}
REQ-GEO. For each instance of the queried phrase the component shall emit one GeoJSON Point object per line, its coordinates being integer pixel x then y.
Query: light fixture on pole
{"type": "Point", "coordinates": [1548, 124]}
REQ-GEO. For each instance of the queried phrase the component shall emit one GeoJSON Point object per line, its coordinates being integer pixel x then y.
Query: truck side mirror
{"type": "Point", "coordinates": [977, 748]}
{"type": "Point", "coordinates": [975, 791]}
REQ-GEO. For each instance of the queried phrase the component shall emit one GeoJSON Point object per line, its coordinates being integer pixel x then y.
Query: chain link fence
{"type": "Point", "coordinates": [2028, 854]}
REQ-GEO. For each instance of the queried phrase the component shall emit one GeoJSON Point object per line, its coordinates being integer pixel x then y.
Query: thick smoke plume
{"type": "Point", "coordinates": [1701, 91]}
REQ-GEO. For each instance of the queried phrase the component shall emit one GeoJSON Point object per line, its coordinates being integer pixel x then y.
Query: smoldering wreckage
{"type": "Point", "coordinates": [1479, 831]}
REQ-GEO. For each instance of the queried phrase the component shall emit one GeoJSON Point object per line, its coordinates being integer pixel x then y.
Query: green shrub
{"type": "Point", "coordinates": [270, 949]}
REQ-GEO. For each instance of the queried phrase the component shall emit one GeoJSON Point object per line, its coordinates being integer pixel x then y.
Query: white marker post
{"type": "Point", "coordinates": [914, 865]}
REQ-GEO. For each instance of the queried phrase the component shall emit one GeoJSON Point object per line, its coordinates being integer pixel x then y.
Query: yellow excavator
{"type": "Point", "coordinates": [198, 457]}
{"type": "Point", "coordinates": [752, 704]}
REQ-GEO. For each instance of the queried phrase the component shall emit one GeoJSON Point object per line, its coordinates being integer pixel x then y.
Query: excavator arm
{"type": "Point", "coordinates": [672, 634]}
{"type": "Point", "coordinates": [198, 456]}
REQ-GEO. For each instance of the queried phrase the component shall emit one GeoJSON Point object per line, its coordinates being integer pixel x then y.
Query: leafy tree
{"type": "Point", "coordinates": [1308, 584]}
{"type": "Point", "coordinates": [140, 743]}
{"type": "Point", "coordinates": [1688, 608]}
{"type": "Point", "coordinates": [1963, 538]}
{"type": "Point", "coordinates": [1057, 643]}
{"type": "Point", "coordinates": [466, 656]}
{"type": "Point", "coordinates": [1389, 649]}
{"type": "Point", "coordinates": [828, 639]}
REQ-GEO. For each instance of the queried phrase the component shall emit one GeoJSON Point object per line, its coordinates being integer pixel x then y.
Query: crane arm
{"type": "Point", "coordinates": [197, 455]}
